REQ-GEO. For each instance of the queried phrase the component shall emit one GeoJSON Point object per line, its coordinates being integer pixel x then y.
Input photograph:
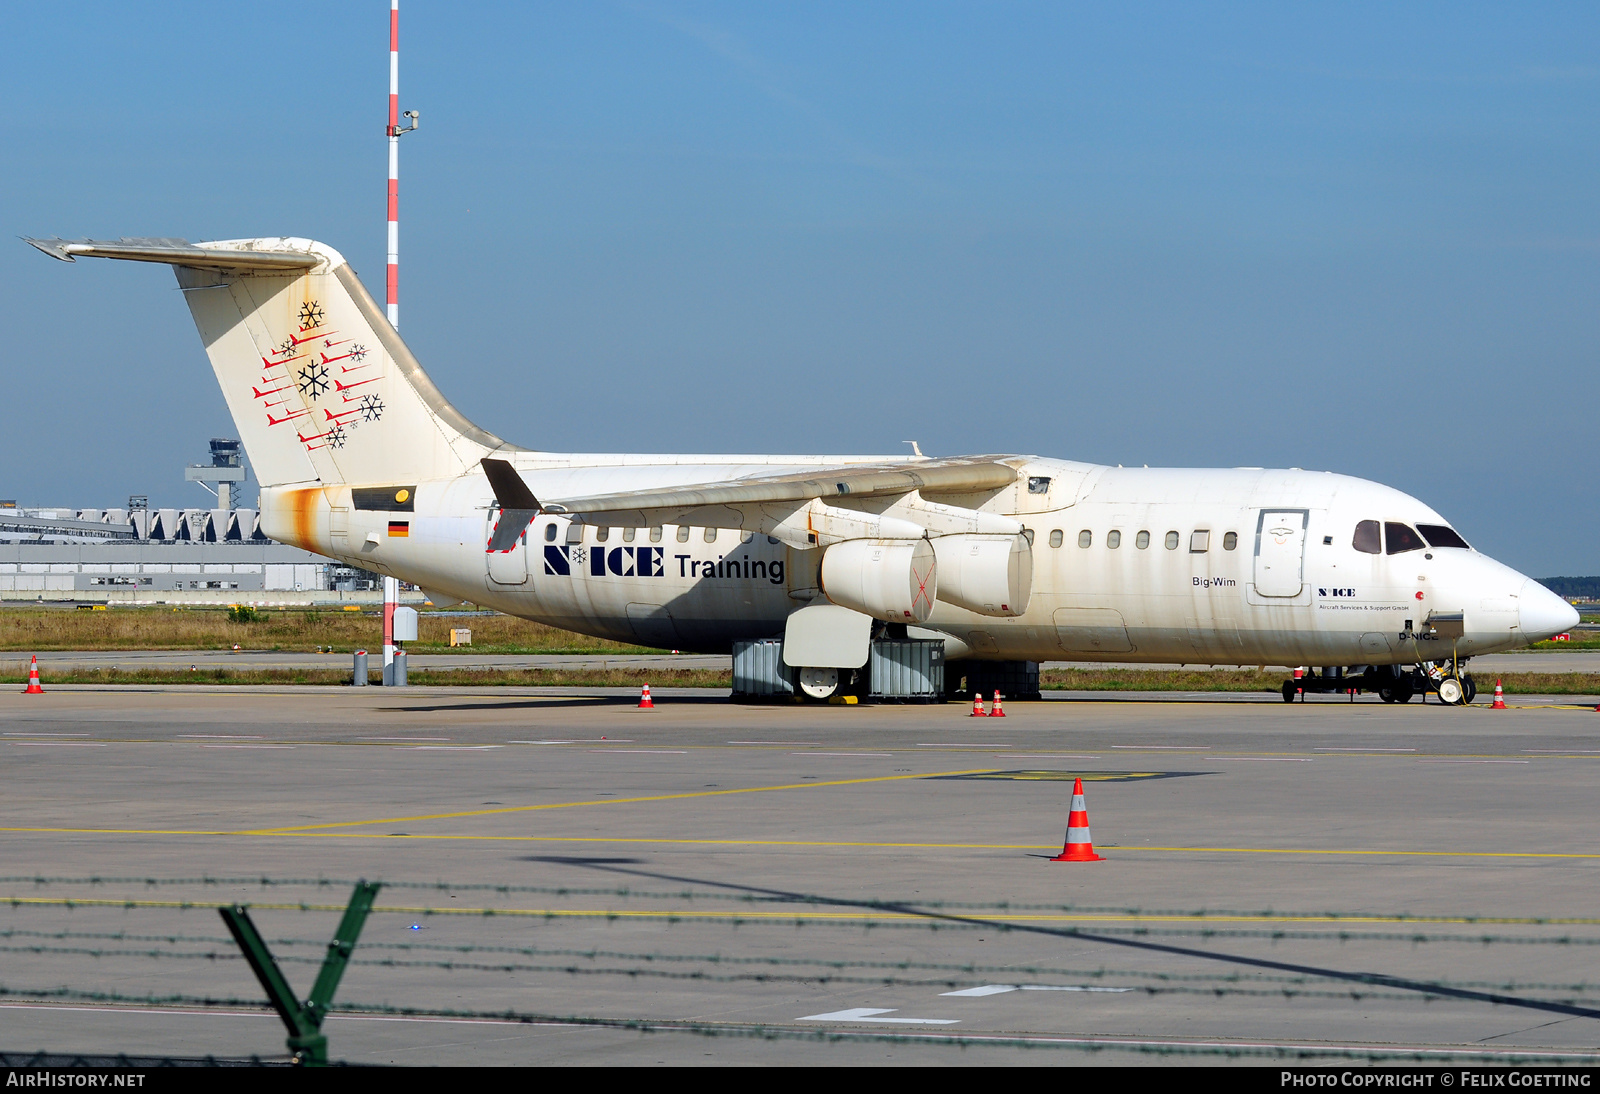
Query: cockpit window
{"type": "Point", "coordinates": [1366, 538]}
{"type": "Point", "coordinates": [1401, 538]}
{"type": "Point", "coordinates": [1442, 535]}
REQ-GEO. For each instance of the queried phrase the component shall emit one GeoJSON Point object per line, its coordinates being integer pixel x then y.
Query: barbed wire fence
{"type": "Point", "coordinates": [132, 941]}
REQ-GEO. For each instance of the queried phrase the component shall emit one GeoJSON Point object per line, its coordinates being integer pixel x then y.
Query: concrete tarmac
{"type": "Point", "coordinates": [1345, 880]}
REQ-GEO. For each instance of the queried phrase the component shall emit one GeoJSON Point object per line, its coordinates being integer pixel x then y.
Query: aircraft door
{"type": "Point", "coordinates": [1280, 552]}
{"type": "Point", "coordinates": [507, 567]}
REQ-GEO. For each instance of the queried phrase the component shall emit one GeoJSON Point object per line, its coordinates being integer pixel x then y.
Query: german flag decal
{"type": "Point", "coordinates": [401, 528]}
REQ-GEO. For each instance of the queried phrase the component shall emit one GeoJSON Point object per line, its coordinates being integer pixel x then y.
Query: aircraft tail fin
{"type": "Point", "coordinates": [319, 384]}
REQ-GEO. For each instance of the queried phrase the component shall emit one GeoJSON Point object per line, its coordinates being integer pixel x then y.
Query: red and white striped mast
{"type": "Point", "coordinates": [391, 586]}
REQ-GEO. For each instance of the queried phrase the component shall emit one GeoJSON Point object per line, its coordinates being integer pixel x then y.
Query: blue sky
{"type": "Point", "coordinates": [1360, 238]}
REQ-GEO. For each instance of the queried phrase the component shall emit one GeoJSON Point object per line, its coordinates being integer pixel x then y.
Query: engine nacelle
{"type": "Point", "coordinates": [990, 575]}
{"type": "Point", "coordinates": [889, 579]}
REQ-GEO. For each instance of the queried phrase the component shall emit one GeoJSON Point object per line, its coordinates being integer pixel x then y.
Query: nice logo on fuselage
{"type": "Point", "coordinates": [560, 558]}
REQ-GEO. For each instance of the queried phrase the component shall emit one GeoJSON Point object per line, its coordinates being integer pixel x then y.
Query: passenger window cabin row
{"type": "Point", "coordinates": [1371, 537]}
{"type": "Point", "coordinates": [1199, 540]}
{"type": "Point", "coordinates": [576, 533]}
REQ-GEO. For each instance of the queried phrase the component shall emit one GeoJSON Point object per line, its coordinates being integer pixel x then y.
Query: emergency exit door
{"type": "Point", "coordinates": [1281, 552]}
{"type": "Point", "coordinates": [507, 567]}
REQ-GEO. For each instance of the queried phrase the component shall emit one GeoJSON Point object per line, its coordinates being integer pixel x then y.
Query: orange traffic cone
{"type": "Point", "coordinates": [998, 711]}
{"type": "Point", "coordinates": [33, 687]}
{"type": "Point", "coordinates": [979, 712]}
{"type": "Point", "coordinates": [1297, 676]}
{"type": "Point", "coordinates": [1499, 698]}
{"type": "Point", "coordinates": [1079, 846]}
{"type": "Point", "coordinates": [645, 702]}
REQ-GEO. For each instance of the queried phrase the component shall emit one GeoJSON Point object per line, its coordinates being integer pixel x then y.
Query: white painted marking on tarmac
{"type": "Point", "coordinates": [1155, 748]}
{"type": "Point", "coordinates": [1049, 756]}
{"type": "Point", "coordinates": [575, 741]}
{"type": "Point", "coordinates": [1001, 989]}
{"type": "Point", "coordinates": [445, 748]}
{"type": "Point", "coordinates": [871, 1014]}
{"type": "Point", "coordinates": [1567, 751]}
{"type": "Point", "coordinates": [1278, 759]}
{"type": "Point", "coordinates": [789, 743]}
{"type": "Point", "coordinates": [1515, 1054]}
{"type": "Point", "coordinates": [402, 738]}
{"type": "Point", "coordinates": [1474, 761]}
{"type": "Point", "coordinates": [223, 736]}
{"type": "Point", "coordinates": [641, 751]}
{"type": "Point", "coordinates": [59, 744]}
{"type": "Point", "coordinates": [961, 744]}
{"type": "Point", "coordinates": [247, 746]}
{"type": "Point", "coordinates": [869, 755]}
{"type": "Point", "coordinates": [979, 992]}
{"type": "Point", "coordinates": [20, 733]}
{"type": "Point", "coordinates": [1331, 748]}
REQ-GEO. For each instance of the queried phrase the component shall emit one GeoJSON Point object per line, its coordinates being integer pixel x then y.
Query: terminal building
{"type": "Point", "coordinates": [142, 556]}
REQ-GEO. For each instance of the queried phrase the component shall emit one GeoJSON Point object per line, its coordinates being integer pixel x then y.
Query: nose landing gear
{"type": "Point", "coordinates": [1453, 686]}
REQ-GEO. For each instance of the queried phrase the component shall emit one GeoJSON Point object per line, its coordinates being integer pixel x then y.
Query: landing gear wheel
{"type": "Point", "coordinates": [1471, 687]}
{"type": "Point", "coordinates": [1289, 691]}
{"type": "Point", "coordinates": [1400, 691]}
{"type": "Point", "coordinates": [819, 683]}
{"type": "Point", "coordinates": [1451, 692]}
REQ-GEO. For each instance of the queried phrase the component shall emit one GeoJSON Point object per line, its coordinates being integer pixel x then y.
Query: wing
{"type": "Point", "coordinates": [811, 508]}
{"type": "Point", "coordinates": [967, 474]}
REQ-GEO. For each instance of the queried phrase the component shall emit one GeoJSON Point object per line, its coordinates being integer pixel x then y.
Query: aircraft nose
{"type": "Point", "coordinates": [1541, 613]}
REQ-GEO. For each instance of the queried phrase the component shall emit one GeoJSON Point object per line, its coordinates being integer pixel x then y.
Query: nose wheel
{"type": "Point", "coordinates": [1454, 687]}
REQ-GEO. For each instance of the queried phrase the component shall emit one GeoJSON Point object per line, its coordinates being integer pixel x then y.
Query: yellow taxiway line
{"type": "Point", "coordinates": [849, 915]}
{"type": "Point", "coordinates": [1114, 849]}
{"type": "Point", "coordinates": [607, 801]}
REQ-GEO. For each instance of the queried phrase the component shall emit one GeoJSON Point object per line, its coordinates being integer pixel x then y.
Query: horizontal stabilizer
{"type": "Point", "coordinates": [510, 491]}
{"type": "Point", "coordinates": [174, 252]}
{"type": "Point", "coordinates": [517, 504]}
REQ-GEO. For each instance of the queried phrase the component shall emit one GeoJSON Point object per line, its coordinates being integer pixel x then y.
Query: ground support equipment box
{"type": "Point", "coordinates": [1012, 679]}
{"type": "Point", "coordinates": [906, 668]}
{"type": "Point", "coordinates": [759, 671]}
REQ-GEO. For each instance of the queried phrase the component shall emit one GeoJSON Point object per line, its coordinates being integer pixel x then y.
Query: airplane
{"type": "Point", "coordinates": [1009, 559]}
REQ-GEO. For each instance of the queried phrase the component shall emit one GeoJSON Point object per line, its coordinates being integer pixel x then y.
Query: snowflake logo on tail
{"type": "Point", "coordinates": [313, 381]}
{"type": "Point", "coordinates": [337, 436]}
{"type": "Point", "coordinates": [311, 315]}
{"type": "Point", "coordinates": [286, 349]}
{"type": "Point", "coordinates": [371, 408]}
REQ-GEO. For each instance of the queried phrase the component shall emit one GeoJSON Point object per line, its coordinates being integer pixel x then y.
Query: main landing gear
{"type": "Point", "coordinates": [819, 683]}
{"type": "Point", "coordinates": [1392, 683]}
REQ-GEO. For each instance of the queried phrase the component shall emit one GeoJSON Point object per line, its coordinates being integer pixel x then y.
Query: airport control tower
{"type": "Point", "coordinates": [226, 468]}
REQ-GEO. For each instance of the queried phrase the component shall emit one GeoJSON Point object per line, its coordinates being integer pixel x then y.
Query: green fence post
{"type": "Point", "coordinates": [307, 1043]}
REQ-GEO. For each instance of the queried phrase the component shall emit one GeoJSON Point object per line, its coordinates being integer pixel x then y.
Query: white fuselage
{"type": "Point", "coordinates": [1241, 566]}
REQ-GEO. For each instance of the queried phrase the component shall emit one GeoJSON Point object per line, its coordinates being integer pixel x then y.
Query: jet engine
{"type": "Point", "coordinates": [889, 579]}
{"type": "Point", "coordinates": [990, 575]}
